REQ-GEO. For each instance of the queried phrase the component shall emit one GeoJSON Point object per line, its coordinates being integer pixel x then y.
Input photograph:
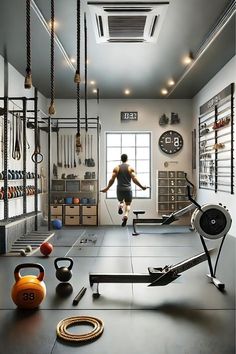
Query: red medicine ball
{"type": "Point", "coordinates": [46, 248]}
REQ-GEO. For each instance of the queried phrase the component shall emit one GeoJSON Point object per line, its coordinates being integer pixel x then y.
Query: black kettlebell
{"type": "Point", "coordinates": [63, 273]}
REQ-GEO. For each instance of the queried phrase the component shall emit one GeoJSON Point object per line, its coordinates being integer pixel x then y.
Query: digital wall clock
{"type": "Point", "coordinates": [171, 142]}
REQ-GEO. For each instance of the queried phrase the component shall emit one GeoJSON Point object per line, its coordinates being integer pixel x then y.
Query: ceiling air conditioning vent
{"type": "Point", "coordinates": [127, 22]}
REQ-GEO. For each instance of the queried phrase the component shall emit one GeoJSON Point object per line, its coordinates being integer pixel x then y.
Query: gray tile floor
{"type": "Point", "coordinates": [187, 316]}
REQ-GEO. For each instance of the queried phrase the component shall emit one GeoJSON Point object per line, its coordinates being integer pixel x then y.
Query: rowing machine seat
{"type": "Point", "coordinates": [137, 212]}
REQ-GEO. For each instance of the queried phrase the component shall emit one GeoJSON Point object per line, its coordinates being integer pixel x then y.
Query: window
{"type": "Point", "coordinates": [137, 147]}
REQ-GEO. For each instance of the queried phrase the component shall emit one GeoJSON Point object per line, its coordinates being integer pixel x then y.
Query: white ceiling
{"type": "Point", "coordinates": [144, 68]}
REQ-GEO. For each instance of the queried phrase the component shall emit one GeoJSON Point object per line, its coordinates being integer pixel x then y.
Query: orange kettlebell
{"type": "Point", "coordinates": [28, 291]}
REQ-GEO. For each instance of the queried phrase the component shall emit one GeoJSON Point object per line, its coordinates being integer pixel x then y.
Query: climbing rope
{"type": "Point", "coordinates": [85, 74]}
{"type": "Point", "coordinates": [62, 332]}
{"type": "Point", "coordinates": [77, 80]}
{"type": "Point", "coordinates": [28, 76]}
{"type": "Point", "coordinates": [52, 110]}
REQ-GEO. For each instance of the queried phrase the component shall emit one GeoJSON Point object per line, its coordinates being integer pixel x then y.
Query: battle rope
{"type": "Point", "coordinates": [52, 110]}
{"type": "Point", "coordinates": [77, 80]}
{"type": "Point", "coordinates": [28, 76]}
{"type": "Point", "coordinates": [98, 327]}
{"type": "Point", "coordinates": [85, 74]}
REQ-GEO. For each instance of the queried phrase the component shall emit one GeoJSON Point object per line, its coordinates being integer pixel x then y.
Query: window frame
{"type": "Point", "coordinates": [135, 146]}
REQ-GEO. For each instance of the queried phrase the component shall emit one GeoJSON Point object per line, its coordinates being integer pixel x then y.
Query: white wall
{"type": "Point", "coordinates": [149, 112]}
{"type": "Point", "coordinates": [16, 89]}
{"type": "Point", "coordinates": [222, 79]}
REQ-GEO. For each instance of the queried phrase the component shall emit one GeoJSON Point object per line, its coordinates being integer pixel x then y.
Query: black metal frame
{"type": "Point", "coordinates": [24, 112]}
{"type": "Point", "coordinates": [68, 123]}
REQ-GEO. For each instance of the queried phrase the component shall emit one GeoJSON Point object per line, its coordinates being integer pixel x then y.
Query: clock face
{"type": "Point", "coordinates": [171, 142]}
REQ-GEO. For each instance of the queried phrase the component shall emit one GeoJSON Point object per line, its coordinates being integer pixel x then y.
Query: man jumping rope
{"type": "Point", "coordinates": [124, 174]}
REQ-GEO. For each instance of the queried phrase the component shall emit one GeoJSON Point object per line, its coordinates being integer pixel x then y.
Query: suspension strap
{"type": "Point", "coordinates": [52, 110]}
{"type": "Point", "coordinates": [85, 74]}
{"type": "Point", "coordinates": [28, 76]}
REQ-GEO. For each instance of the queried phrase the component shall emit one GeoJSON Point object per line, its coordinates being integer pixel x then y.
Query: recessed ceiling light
{"type": "Point", "coordinates": [127, 92]}
{"type": "Point", "coordinates": [164, 91]}
{"type": "Point", "coordinates": [92, 82]}
{"type": "Point", "coordinates": [55, 24]}
{"type": "Point", "coordinates": [188, 59]}
{"type": "Point", "coordinates": [95, 91]}
{"type": "Point", "coordinates": [171, 82]}
{"type": "Point", "coordinates": [72, 60]}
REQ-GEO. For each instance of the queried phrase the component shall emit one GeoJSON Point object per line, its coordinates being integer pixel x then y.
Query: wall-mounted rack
{"type": "Point", "coordinates": [22, 110]}
{"type": "Point", "coordinates": [216, 142]}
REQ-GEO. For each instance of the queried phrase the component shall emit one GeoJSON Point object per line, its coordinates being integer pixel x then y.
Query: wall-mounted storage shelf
{"type": "Point", "coordinates": [63, 194]}
{"type": "Point", "coordinates": [172, 191]}
{"type": "Point", "coordinates": [216, 152]}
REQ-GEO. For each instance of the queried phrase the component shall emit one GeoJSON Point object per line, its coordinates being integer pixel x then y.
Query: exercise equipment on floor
{"type": "Point", "coordinates": [28, 291]}
{"type": "Point", "coordinates": [166, 219]}
{"type": "Point", "coordinates": [63, 273]}
{"type": "Point", "coordinates": [96, 323]}
{"type": "Point", "coordinates": [57, 224]}
{"type": "Point", "coordinates": [79, 296]}
{"type": "Point", "coordinates": [46, 248]}
{"type": "Point", "coordinates": [210, 221]}
{"type": "Point", "coordinates": [28, 249]}
{"type": "Point", "coordinates": [64, 290]}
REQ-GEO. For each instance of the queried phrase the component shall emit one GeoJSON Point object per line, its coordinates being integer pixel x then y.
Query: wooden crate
{"type": "Point", "coordinates": [89, 210]}
{"type": "Point", "coordinates": [56, 209]}
{"type": "Point", "coordinates": [89, 220]}
{"type": "Point", "coordinates": [72, 220]}
{"type": "Point", "coordinates": [72, 210]}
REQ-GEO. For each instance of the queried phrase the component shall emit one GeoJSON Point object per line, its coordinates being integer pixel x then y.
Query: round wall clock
{"type": "Point", "coordinates": [171, 142]}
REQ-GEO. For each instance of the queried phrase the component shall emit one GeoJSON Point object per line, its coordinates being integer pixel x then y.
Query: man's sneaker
{"type": "Point", "coordinates": [120, 210]}
{"type": "Point", "coordinates": [124, 221]}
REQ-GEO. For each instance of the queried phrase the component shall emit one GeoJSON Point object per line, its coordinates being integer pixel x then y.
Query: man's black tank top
{"type": "Point", "coordinates": [124, 178]}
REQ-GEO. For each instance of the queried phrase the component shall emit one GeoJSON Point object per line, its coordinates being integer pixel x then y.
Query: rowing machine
{"type": "Point", "coordinates": [211, 222]}
{"type": "Point", "coordinates": [155, 276]}
{"type": "Point", "coordinates": [165, 220]}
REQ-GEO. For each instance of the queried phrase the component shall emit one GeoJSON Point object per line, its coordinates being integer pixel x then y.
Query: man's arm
{"type": "Point", "coordinates": [111, 181]}
{"type": "Point", "coordinates": [135, 179]}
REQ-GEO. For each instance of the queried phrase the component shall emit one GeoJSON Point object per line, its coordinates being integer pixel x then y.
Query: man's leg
{"type": "Point", "coordinates": [126, 213]}
{"type": "Point", "coordinates": [120, 207]}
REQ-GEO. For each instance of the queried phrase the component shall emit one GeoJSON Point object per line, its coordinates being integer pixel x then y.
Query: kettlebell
{"type": "Point", "coordinates": [28, 291]}
{"type": "Point", "coordinates": [63, 273]}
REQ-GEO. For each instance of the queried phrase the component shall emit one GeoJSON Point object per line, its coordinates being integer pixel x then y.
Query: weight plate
{"type": "Point", "coordinates": [212, 221]}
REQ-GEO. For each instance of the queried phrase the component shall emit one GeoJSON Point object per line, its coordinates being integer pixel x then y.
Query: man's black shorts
{"type": "Point", "coordinates": [124, 196]}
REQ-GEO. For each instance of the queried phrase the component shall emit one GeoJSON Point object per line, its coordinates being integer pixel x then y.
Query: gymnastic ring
{"type": "Point", "coordinates": [211, 221]}
{"type": "Point", "coordinates": [37, 157]}
{"type": "Point", "coordinates": [98, 327]}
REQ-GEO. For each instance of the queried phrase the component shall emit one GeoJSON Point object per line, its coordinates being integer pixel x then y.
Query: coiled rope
{"type": "Point", "coordinates": [62, 332]}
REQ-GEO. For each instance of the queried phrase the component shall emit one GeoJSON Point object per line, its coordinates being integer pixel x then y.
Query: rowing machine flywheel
{"type": "Point", "coordinates": [212, 221]}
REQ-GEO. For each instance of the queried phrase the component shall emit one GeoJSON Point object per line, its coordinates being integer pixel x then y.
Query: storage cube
{"type": "Point", "coordinates": [89, 210]}
{"type": "Point", "coordinates": [72, 220]}
{"type": "Point", "coordinates": [72, 210]}
{"type": "Point", "coordinates": [56, 209]}
{"type": "Point", "coordinates": [89, 220]}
